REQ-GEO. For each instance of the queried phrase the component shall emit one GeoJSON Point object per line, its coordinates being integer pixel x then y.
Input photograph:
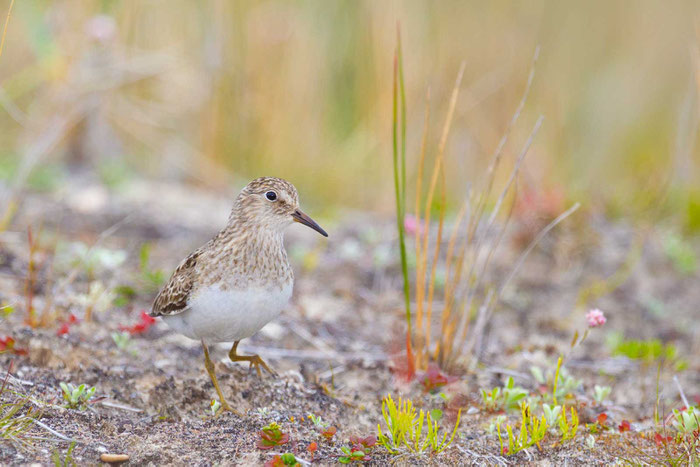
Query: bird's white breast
{"type": "Point", "coordinates": [225, 315]}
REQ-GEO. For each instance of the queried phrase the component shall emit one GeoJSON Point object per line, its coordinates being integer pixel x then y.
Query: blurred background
{"type": "Point", "coordinates": [214, 93]}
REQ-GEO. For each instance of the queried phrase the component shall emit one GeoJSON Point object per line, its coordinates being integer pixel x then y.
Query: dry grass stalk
{"type": "Point", "coordinates": [475, 236]}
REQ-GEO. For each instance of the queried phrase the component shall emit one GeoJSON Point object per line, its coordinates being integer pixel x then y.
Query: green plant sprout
{"type": "Point", "coordinates": [600, 393]}
{"type": "Point", "coordinates": [532, 431]}
{"type": "Point", "coordinates": [77, 397]}
{"type": "Point", "coordinates": [508, 398]}
{"type": "Point", "coordinates": [405, 428]}
{"type": "Point", "coordinates": [551, 414]}
{"type": "Point", "coordinates": [214, 406]}
{"type": "Point", "coordinates": [351, 455]}
{"type": "Point", "coordinates": [318, 421]}
{"type": "Point", "coordinates": [686, 422]}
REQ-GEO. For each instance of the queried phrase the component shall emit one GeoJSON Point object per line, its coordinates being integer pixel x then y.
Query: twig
{"type": "Point", "coordinates": [314, 355]}
{"type": "Point", "coordinates": [4, 30]}
{"type": "Point", "coordinates": [680, 391]}
{"type": "Point", "coordinates": [54, 432]}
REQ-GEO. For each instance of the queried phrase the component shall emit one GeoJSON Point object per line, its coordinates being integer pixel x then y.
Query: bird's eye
{"type": "Point", "coordinates": [271, 195]}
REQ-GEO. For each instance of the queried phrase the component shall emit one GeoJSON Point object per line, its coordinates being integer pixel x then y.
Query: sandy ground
{"type": "Point", "coordinates": [334, 349]}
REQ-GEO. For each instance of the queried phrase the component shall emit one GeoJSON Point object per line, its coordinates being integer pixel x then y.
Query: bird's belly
{"type": "Point", "coordinates": [217, 315]}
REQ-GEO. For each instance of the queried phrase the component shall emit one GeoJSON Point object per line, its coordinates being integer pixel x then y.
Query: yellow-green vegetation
{"type": "Point", "coordinates": [404, 429]}
{"type": "Point", "coordinates": [568, 426]}
{"type": "Point", "coordinates": [532, 432]}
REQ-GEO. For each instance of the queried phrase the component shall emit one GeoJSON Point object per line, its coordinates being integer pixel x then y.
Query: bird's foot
{"type": "Point", "coordinates": [257, 362]}
{"type": "Point", "coordinates": [225, 407]}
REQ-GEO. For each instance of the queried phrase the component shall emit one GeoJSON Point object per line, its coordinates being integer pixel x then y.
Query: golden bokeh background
{"type": "Point", "coordinates": [214, 93]}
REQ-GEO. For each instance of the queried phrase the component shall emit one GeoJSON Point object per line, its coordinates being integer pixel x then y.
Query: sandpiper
{"type": "Point", "coordinates": [240, 280]}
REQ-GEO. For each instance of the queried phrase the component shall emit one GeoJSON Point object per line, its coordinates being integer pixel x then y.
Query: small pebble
{"type": "Point", "coordinates": [114, 458]}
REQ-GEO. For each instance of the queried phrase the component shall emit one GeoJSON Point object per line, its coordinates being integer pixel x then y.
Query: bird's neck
{"type": "Point", "coordinates": [254, 254]}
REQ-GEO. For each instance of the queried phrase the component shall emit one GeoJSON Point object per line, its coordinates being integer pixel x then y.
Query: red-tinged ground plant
{"type": "Point", "coordinates": [66, 325]}
{"type": "Point", "coordinates": [433, 379]}
{"type": "Point", "coordinates": [311, 449]}
{"type": "Point", "coordinates": [282, 460]}
{"type": "Point", "coordinates": [8, 344]}
{"type": "Point", "coordinates": [352, 454]}
{"type": "Point", "coordinates": [365, 444]}
{"type": "Point", "coordinates": [467, 299]}
{"type": "Point", "coordinates": [329, 433]}
{"type": "Point", "coordinates": [271, 436]}
{"type": "Point", "coordinates": [142, 326]}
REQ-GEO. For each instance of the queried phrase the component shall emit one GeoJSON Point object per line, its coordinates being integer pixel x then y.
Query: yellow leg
{"type": "Point", "coordinates": [255, 360]}
{"type": "Point", "coordinates": [209, 365]}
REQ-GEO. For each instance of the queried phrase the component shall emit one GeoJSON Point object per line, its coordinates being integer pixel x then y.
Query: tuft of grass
{"type": "Point", "coordinates": [532, 432]}
{"type": "Point", "coordinates": [405, 429]}
{"type": "Point", "coordinates": [468, 300]}
{"type": "Point", "coordinates": [17, 415]}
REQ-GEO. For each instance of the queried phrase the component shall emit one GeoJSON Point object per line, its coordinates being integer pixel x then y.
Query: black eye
{"type": "Point", "coordinates": [271, 195]}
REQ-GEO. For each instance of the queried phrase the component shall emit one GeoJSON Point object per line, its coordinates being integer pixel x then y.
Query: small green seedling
{"type": "Point", "coordinates": [551, 414]}
{"type": "Point", "coordinates": [77, 397]}
{"type": "Point", "coordinates": [507, 398]}
{"type": "Point", "coordinates": [600, 393]}
{"type": "Point", "coordinates": [318, 421]}
{"type": "Point", "coordinates": [214, 406]}
{"type": "Point", "coordinates": [686, 422]}
{"type": "Point", "coordinates": [352, 455]}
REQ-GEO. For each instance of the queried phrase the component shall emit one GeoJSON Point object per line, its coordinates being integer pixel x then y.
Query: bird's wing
{"type": "Point", "coordinates": [173, 298]}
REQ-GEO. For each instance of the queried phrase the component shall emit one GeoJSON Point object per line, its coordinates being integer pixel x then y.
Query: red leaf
{"type": "Point", "coordinates": [6, 343]}
{"type": "Point", "coordinates": [624, 426]}
{"type": "Point", "coordinates": [601, 419]}
{"type": "Point", "coordinates": [329, 433]}
{"type": "Point", "coordinates": [65, 327]}
{"type": "Point", "coordinates": [313, 447]}
{"type": "Point", "coordinates": [145, 322]}
{"type": "Point", "coordinates": [661, 440]}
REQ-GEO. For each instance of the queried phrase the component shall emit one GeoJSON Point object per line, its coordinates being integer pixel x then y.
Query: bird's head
{"type": "Point", "coordinates": [272, 203]}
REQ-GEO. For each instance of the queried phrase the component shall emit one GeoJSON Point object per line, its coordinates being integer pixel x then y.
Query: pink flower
{"type": "Point", "coordinates": [595, 318]}
{"type": "Point", "coordinates": [412, 225]}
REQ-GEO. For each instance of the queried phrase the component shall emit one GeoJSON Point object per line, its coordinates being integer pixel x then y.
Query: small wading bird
{"type": "Point", "coordinates": [240, 280]}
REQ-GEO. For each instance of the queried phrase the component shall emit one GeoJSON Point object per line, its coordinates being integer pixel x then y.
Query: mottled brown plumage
{"type": "Point", "coordinates": [238, 281]}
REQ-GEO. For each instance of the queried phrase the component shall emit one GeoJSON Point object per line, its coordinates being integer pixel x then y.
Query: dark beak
{"type": "Point", "coordinates": [302, 218]}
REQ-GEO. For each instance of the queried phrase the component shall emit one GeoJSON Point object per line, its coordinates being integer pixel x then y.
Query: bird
{"type": "Point", "coordinates": [241, 279]}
